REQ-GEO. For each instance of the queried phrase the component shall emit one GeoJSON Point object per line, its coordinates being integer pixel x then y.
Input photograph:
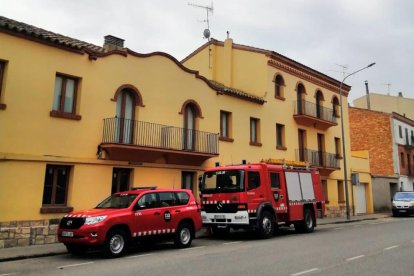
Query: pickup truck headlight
{"type": "Point", "coordinates": [94, 220]}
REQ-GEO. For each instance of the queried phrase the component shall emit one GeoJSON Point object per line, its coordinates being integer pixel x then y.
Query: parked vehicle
{"type": "Point", "coordinates": [261, 196]}
{"type": "Point", "coordinates": [139, 214]}
{"type": "Point", "coordinates": [403, 204]}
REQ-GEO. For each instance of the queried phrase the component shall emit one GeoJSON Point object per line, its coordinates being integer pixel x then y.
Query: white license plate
{"type": "Point", "coordinates": [67, 234]}
{"type": "Point", "coordinates": [219, 216]}
{"type": "Point", "coordinates": [402, 211]}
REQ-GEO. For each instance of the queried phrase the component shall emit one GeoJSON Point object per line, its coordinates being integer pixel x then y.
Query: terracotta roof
{"type": "Point", "coordinates": [221, 88]}
{"type": "Point", "coordinates": [24, 29]}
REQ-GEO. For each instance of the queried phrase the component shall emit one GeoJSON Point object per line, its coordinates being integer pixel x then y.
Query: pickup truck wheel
{"type": "Point", "coordinates": [183, 235]}
{"type": "Point", "coordinates": [307, 225]}
{"type": "Point", "coordinates": [220, 232]}
{"type": "Point", "coordinates": [115, 243]}
{"type": "Point", "coordinates": [266, 225]}
{"type": "Point", "coordinates": [75, 249]}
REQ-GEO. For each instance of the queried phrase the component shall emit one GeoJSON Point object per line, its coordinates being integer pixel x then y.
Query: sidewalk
{"type": "Point", "coordinates": [34, 251]}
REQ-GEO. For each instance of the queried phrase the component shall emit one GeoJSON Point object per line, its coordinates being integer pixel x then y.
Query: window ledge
{"type": "Point", "coordinates": [281, 147]}
{"type": "Point", "coordinates": [55, 209]}
{"type": "Point", "coordinates": [280, 98]}
{"type": "Point", "coordinates": [65, 115]}
{"type": "Point", "coordinates": [2, 106]}
{"type": "Point", "coordinates": [226, 139]}
{"type": "Point", "coordinates": [255, 144]}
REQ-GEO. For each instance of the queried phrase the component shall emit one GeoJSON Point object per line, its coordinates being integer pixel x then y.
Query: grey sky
{"type": "Point", "coordinates": [317, 33]}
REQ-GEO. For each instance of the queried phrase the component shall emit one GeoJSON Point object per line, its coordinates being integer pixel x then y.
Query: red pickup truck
{"type": "Point", "coordinates": [138, 214]}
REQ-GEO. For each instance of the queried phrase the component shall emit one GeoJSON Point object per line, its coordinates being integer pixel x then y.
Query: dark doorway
{"type": "Point", "coordinates": [120, 180]}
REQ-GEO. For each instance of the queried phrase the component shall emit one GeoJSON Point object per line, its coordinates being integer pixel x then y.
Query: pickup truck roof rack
{"type": "Point", "coordinates": [144, 188]}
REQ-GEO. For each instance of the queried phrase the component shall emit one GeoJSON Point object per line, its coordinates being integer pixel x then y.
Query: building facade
{"type": "Point", "coordinates": [299, 121]}
{"type": "Point", "coordinates": [389, 141]}
{"type": "Point", "coordinates": [387, 103]}
{"type": "Point", "coordinates": [80, 121]}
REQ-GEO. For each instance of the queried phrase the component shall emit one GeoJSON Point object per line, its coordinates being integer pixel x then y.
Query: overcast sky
{"type": "Point", "coordinates": [322, 34]}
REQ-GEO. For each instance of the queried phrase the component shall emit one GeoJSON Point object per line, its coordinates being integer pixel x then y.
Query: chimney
{"type": "Point", "coordinates": [113, 43]}
{"type": "Point", "coordinates": [400, 94]}
{"type": "Point", "coordinates": [368, 100]}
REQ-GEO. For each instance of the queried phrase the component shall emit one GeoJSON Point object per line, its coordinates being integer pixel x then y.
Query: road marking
{"type": "Point", "coordinates": [338, 228]}
{"type": "Point", "coordinates": [355, 258]}
{"type": "Point", "coordinates": [304, 272]}
{"type": "Point", "coordinates": [13, 273]}
{"type": "Point", "coordinates": [227, 243]}
{"type": "Point", "coordinates": [141, 255]}
{"type": "Point", "coordinates": [73, 265]}
{"type": "Point", "coordinates": [191, 248]}
{"type": "Point", "coordinates": [391, 247]}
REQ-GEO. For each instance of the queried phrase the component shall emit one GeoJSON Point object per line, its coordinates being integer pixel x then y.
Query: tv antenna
{"type": "Point", "coordinates": [388, 87]}
{"type": "Point", "coordinates": [206, 32]}
{"type": "Point", "coordinates": [208, 9]}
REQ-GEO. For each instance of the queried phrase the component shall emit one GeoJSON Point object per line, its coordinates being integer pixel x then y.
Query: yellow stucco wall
{"type": "Point", "coordinates": [35, 139]}
{"type": "Point", "coordinates": [250, 73]}
{"type": "Point", "coordinates": [360, 164]}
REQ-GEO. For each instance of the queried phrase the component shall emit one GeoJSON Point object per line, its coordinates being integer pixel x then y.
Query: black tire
{"type": "Point", "coordinates": [115, 243]}
{"type": "Point", "coordinates": [184, 235]}
{"type": "Point", "coordinates": [75, 249]}
{"type": "Point", "coordinates": [307, 225]}
{"type": "Point", "coordinates": [220, 232]}
{"type": "Point", "coordinates": [266, 225]}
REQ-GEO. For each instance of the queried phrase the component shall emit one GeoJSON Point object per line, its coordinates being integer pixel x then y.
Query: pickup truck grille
{"type": "Point", "coordinates": [71, 223]}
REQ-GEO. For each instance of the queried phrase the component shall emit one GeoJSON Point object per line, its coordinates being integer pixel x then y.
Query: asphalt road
{"type": "Point", "coordinates": [380, 247]}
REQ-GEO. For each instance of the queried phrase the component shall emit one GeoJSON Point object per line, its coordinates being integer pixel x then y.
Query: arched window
{"type": "Point", "coordinates": [300, 94]}
{"type": "Point", "coordinates": [127, 98]}
{"type": "Point", "coordinates": [319, 99]}
{"type": "Point", "coordinates": [191, 111]}
{"type": "Point", "coordinates": [279, 85]}
{"type": "Point", "coordinates": [125, 116]}
{"type": "Point", "coordinates": [335, 106]}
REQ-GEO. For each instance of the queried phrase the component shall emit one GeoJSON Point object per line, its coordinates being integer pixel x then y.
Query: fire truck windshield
{"type": "Point", "coordinates": [223, 181]}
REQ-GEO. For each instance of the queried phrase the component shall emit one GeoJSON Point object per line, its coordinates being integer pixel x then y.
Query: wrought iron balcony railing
{"type": "Point", "coordinates": [318, 158]}
{"type": "Point", "coordinates": [145, 134]}
{"type": "Point", "coordinates": [313, 110]}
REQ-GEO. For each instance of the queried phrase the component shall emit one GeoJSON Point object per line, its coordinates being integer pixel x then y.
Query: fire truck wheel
{"type": "Point", "coordinates": [115, 243]}
{"type": "Point", "coordinates": [307, 225]}
{"type": "Point", "coordinates": [220, 232]}
{"type": "Point", "coordinates": [183, 235]}
{"type": "Point", "coordinates": [266, 225]}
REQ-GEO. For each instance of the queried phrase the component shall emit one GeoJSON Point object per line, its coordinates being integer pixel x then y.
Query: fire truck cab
{"type": "Point", "coordinates": [261, 196]}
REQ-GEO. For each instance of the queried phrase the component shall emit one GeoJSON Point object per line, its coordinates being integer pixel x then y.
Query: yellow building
{"type": "Point", "coordinates": [362, 185]}
{"type": "Point", "coordinates": [299, 120]}
{"type": "Point", "coordinates": [79, 122]}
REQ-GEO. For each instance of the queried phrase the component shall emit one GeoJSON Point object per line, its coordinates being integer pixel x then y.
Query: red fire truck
{"type": "Point", "coordinates": [261, 196]}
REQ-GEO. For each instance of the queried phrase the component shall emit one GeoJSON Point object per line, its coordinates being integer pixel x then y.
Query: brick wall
{"type": "Point", "coordinates": [371, 130]}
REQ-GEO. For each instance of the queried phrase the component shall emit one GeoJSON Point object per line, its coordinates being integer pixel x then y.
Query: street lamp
{"type": "Point", "coordinates": [348, 216]}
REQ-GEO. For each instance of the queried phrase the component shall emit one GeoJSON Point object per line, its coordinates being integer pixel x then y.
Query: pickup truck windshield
{"type": "Point", "coordinates": [117, 201]}
{"type": "Point", "coordinates": [229, 181]}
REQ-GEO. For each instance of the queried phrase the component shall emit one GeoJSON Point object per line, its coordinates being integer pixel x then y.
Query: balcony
{"type": "Point", "coordinates": [137, 142]}
{"type": "Point", "coordinates": [311, 114]}
{"type": "Point", "coordinates": [325, 162]}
